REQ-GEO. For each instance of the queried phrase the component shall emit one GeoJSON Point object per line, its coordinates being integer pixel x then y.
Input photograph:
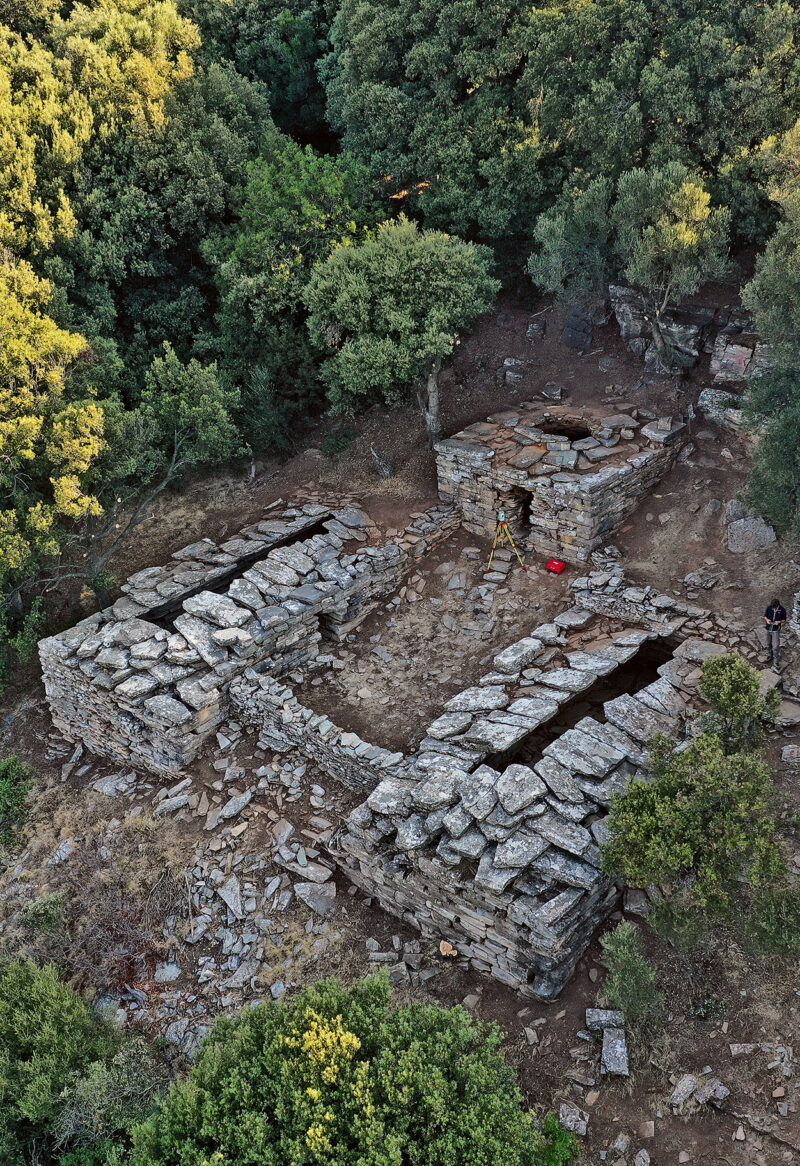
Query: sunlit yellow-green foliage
{"type": "Point", "coordinates": [48, 441]}
{"type": "Point", "coordinates": [106, 66]}
{"type": "Point", "coordinates": [336, 1077]}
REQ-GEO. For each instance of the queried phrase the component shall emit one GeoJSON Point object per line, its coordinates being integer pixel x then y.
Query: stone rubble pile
{"type": "Point", "coordinates": [145, 681]}
{"type": "Point", "coordinates": [562, 494]}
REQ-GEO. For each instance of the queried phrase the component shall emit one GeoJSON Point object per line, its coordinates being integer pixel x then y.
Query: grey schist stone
{"type": "Point", "coordinates": [478, 700]}
{"type": "Point", "coordinates": [518, 787]}
{"type": "Point", "coordinates": [614, 1058]}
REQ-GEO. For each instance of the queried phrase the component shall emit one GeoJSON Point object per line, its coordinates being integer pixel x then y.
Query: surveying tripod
{"type": "Point", "coordinates": [502, 535]}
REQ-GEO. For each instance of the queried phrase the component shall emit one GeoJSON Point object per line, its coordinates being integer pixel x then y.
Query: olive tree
{"type": "Point", "coordinates": [656, 229]}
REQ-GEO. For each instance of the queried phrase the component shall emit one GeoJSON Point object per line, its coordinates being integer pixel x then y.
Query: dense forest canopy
{"type": "Point", "coordinates": [183, 183]}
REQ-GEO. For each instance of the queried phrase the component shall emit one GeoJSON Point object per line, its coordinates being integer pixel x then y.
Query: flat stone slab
{"type": "Point", "coordinates": [598, 1019]}
{"type": "Point", "coordinates": [518, 787]}
{"type": "Point", "coordinates": [614, 1057]}
{"type": "Point", "coordinates": [218, 609]}
{"type": "Point", "coordinates": [520, 849]}
{"type": "Point", "coordinates": [567, 679]}
{"type": "Point", "coordinates": [478, 699]}
{"type": "Point", "coordinates": [231, 894]}
{"type": "Point", "coordinates": [319, 897]}
{"type": "Point", "coordinates": [519, 655]}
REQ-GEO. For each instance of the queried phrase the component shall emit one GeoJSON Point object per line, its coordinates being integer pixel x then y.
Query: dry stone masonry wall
{"type": "Point", "coordinates": [482, 837]}
{"type": "Point", "coordinates": [146, 680]}
{"type": "Point", "coordinates": [565, 480]}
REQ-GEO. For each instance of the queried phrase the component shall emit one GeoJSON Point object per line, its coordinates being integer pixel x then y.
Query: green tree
{"type": "Point", "coordinates": [573, 256]}
{"type": "Point", "coordinates": [50, 439]}
{"type": "Point", "coordinates": [668, 239]}
{"type": "Point", "coordinates": [47, 1034]}
{"type": "Point", "coordinates": [390, 309]}
{"type": "Point", "coordinates": [337, 1077]}
{"type": "Point", "coordinates": [298, 205]}
{"type": "Point", "coordinates": [739, 710]}
{"type": "Point", "coordinates": [773, 294]}
{"type": "Point", "coordinates": [153, 209]}
{"type": "Point", "coordinates": [772, 405]}
{"type": "Point", "coordinates": [702, 822]}
{"type": "Point", "coordinates": [277, 43]}
{"type": "Point", "coordinates": [659, 233]}
{"type": "Point", "coordinates": [484, 115]}
{"type": "Point", "coordinates": [184, 420]}
{"type": "Point", "coordinates": [100, 1108]}
{"type": "Point", "coordinates": [429, 94]}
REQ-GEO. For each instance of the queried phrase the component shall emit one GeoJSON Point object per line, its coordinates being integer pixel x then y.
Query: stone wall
{"type": "Point", "coordinates": [500, 859]}
{"type": "Point", "coordinates": [284, 724]}
{"type": "Point", "coordinates": [563, 494]}
{"type": "Point", "coordinates": [607, 592]}
{"type": "Point", "coordinates": [146, 681]}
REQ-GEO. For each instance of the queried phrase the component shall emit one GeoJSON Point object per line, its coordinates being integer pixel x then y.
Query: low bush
{"type": "Point", "coordinates": [738, 709]}
{"type": "Point", "coordinates": [772, 926]}
{"type": "Point", "coordinates": [337, 1077]}
{"type": "Point", "coordinates": [99, 1109]}
{"type": "Point", "coordinates": [47, 1035]}
{"type": "Point", "coordinates": [45, 914]}
{"type": "Point", "coordinates": [631, 981]}
{"type": "Point", "coordinates": [16, 780]}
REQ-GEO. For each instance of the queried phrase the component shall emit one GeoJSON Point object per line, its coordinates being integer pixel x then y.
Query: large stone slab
{"type": "Point", "coordinates": [479, 699]}
{"type": "Point", "coordinates": [518, 656]}
{"type": "Point", "coordinates": [217, 609]}
{"type": "Point", "coordinates": [519, 787]}
{"type": "Point", "coordinates": [520, 849]}
{"type": "Point", "coordinates": [749, 534]}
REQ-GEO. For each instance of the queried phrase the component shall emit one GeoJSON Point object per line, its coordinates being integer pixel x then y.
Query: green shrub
{"type": "Point", "coordinates": [100, 1108]}
{"type": "Point", "coordinates": [45, 913]}
{"type": "Point", "coordinates": [704, 822]}
{"type": "Point", "coordinates": [337, 442]}
{"type": "Point", "coordinates": [631, 981]}
{"type": "Point", "coordinates": [47, 1034]}
{"type": "Point", "coordinates": [772, 925]}
{"type": "Point", "coordinates": [18, 637]}
{"type": "Point", "coordinates": [16, 780]}
{"type": "Point", "coordinates": [739, 710]}
{"type": "Point", "coordinates": [336, 1077]}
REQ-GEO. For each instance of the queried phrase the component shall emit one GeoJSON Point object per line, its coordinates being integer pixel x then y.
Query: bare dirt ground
{"type": "Point", "coordinates": [401, 665]}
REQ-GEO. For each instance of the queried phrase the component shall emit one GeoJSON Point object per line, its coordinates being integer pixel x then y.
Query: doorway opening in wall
{"type": "Point", "coordinates": [572, 430]}
{"type": "Point", "coordinates": [516, 505]}
{"type": "Point", "coordinates": [631, 677]}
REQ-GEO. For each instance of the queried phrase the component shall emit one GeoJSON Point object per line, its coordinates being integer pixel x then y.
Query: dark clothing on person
{"type": "Point", "coordinates": [774, 618]}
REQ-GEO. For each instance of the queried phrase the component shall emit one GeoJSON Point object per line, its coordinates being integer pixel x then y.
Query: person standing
{"type": "Point", "coordinates": [774, 619]}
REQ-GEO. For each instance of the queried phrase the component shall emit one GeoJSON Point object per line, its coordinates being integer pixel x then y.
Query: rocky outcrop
{"type": "Point", "coordinates": [683, 329]}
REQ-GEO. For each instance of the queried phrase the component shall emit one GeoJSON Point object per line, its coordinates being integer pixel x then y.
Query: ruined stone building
{"type": "Point", "coordinates": [565, 480]}
{"type": "Point", "coordinates": [487, 832]}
